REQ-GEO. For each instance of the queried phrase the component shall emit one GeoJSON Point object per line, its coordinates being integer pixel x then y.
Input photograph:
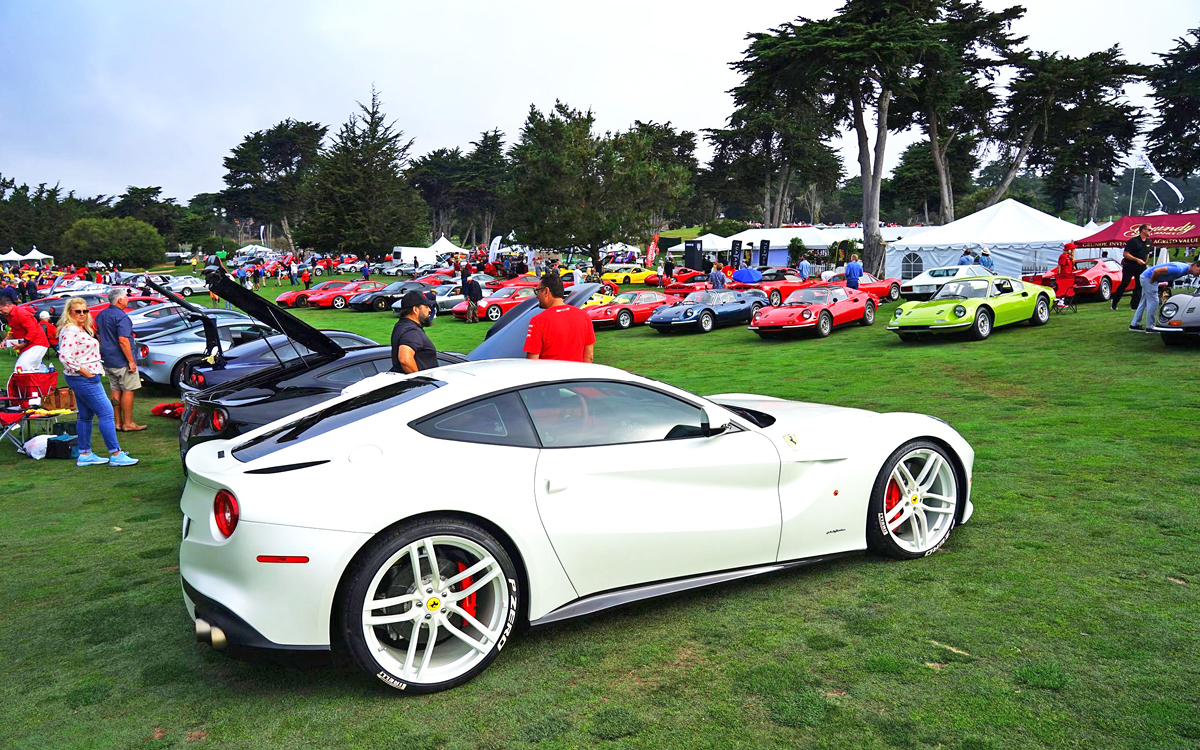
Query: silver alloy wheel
{"type": "Point", "coordinates": [925, 494]}
{"type": "Point", "coordinates": [339, 303]}
{"type": "Point", "coordinates": [868, 314]}
{"type": "Point", "coordinates": [894, 293]}
{"type": "Point", "coordinates": [624, 319]}
{"type": "Point", "coordinates": [1043, 309]}
{"type": "Point", "coordinates": [1105, 289]}
{"type": "Point", "coordinates": [187, 291]}
{"type": "Point", "coordinates": [824, 324]}
{"type": "Point", "coordinates": [706, 321]}
{"type": "Point", "coordinates": [776, 298]}
{"type": "Point", "coordinates": [417, 625]}
{"type": "Point", "coordinates": [494, 312]}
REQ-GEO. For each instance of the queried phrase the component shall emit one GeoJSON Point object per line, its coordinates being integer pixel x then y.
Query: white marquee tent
{"type": "Point", "coordinates": [11, 255]}
{"type": "Point", "coordinates": [1021, 240]}
{"type": "Point", "coordinates": [444, 245]}
{"type": "Point", "coordinates": [36, 254]}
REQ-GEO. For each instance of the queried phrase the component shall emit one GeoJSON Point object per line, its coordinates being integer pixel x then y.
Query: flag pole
{"type": "Point", "coordinates": [1131, 184]}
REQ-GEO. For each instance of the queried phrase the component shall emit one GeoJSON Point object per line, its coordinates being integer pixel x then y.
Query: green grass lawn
{"type": "Point", "coordinates": [1065, 614]}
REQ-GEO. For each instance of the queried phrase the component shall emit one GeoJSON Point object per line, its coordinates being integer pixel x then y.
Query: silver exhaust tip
{"type": "Point", "coordinates": [210, 634]}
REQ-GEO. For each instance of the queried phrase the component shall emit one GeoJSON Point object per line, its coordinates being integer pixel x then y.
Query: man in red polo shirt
{"type": "Point", "coordinates": [23, 326]}
{"type": "Point", "coordinates": [560, 331]}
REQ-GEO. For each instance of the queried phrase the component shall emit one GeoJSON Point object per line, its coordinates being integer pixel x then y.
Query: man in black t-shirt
{"type": "Point", "coordinates": [411, 348]}
{"type": "Point", "coordinates": [1133, 262]}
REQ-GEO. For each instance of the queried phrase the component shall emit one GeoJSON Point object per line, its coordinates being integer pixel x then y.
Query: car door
{"type": "Point", "coordinates": [1010, 301]}
{"type": "Point", "coordinates": [646, 302]}
{"type": "Point", "coordinates": [840, 305]}
{"type": "Point", "coordinates": [629, 491]}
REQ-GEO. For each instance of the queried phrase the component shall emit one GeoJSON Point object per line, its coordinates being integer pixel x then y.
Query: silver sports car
{"type": "Point", "coordinates": [186, 285]}
{"type": "Point", "coordinates": [162, 357]}
{"type": "Point", "coordinates": [1179, 318]}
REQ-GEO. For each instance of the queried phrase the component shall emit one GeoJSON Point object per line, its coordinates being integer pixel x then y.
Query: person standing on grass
{"type": "Point", "coordinates": [716, 276]}
{"type": "Point", "coordinates": [854, 272]}
{"type": "Point", "coordinates": [803, 268]}
{"type": "Point", "coordinates": [24, 328]}
{"type": "Point", "coordinates": [1133, 262]}
{"type": "Point", "coordinates": [1150, 279]}
{"type": "Point", "coordinates": [560, 331]}
{"type": "Point", "coordinates": [80, 354]}
{"type": "Point", "coordinates": [49, 328]}
{"type": "Point", "coordinates": [474, 293]}
{"type": "Point", "coordinates": [116, 352]}
{"type": "Point", "coordinates": [412, 350]}
{"type": "Point", "coordinates": [305, 278]}
{"type": "Point", "coordinates": [366, 272]}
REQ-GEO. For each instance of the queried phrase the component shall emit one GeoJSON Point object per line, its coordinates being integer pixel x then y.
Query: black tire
{"type": "Point", "coordinates": [894, 293]}
{"type": "Point", "coordinates": [879, 540]}
{"type": "Point", "coordinates": [706, 322]}
{"type": "Point", "coordinates": [1041, 311]}
{"type": "Point", "coordinates": [1174, 339]}
{"type": "Point", "coordinates": [186, 291]}
{"type": "Point", "coordinates": [180, 368]}
{"type": "Point", "coordinates": [824, 325]}
{"type": "Point", "coordinates": [339, 303]}
{"type": "Point", "coordinates": [301, 301]}
{"type": "Point", "coordinates": [776, 298]}
{"type": "Point", "coordinates": [380, 304]}
{"type": "Point", "coordinates": [494, 312]}
{"type": "Point", "coordinates": [1105, 289]}
{"type": "Point", "coordinates": [982, 327]}
{"type": "Point", "coordinates": [908, 338]}
{"type": "Point", "coordinates": [626, 281]}
{"type": "Point", "coordinates": [624, 319]}
{"type": "Point", "coordinates": [376, 555]}
{"type": "Point", "coordinates": [868, 318]}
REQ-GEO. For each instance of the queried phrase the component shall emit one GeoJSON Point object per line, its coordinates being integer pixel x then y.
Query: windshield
{"type": "Point", "coordinates": [808, 297]}
{"type": "Point", "coordinates": [395, 286]}
{"type": "Point", "coordinates": [1083, 265]}
{"type": "Point", "coordinates": [697, 298]}
{"type": "Point", "coordinates": [971, 289]}
{"type": "Point", "coordinates": [625, 298]}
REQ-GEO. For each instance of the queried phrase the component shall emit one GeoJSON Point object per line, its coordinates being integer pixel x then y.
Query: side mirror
{"type": "Point", "coordinates": [706, 429]}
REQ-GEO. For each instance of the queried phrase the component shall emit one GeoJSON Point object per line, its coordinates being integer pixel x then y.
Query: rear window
{"type": "Point", "coordinates": [335, 416]}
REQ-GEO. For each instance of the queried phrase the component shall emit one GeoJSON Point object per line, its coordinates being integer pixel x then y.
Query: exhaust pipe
{"type": "Point", "coordinates": [210, 634]}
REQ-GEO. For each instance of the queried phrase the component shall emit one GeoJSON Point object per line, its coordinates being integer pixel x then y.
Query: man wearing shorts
{"type": "Point", "coordinates": [26, 335]}
{"type": "Point", "coordinates": [116, 352]}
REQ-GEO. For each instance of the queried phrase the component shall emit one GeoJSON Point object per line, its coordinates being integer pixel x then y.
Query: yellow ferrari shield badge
{"type": "Point", "coordinates": [792, 441]}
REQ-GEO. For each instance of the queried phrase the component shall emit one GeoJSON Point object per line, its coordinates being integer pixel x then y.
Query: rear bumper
{"type": "Point", "coordinates": [242, 640]}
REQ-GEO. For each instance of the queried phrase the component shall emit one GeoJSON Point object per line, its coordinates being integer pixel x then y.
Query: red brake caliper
{"type": "Point", "coordinates": [891, 498]}
{"type": "Point", "coordinates": [468, 604]}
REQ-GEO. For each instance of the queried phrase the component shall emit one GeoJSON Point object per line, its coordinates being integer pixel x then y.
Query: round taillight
{"type": "Point", "coordinates": [219, 418]}
{"type": "Point", "coordinates": [144, 351]}
{"type": "Point", "coordinates": [199, 378]}
{"type": "Point", "coordinates": [225, 509]}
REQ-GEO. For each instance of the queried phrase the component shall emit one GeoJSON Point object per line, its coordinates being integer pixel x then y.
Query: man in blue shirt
{"type": "Point", "coordinates": [1149, 280]}
{"type": "Point", "coordinates": [116, 352]}
{"type": "Point", "coordinates": [804, 268]}
{"type": "Point", "coordinates": [966, 259]}
{"type": "Point", "coordinates": [854, 272]}
{"type": "Point", "coordinates": [716, 277]}
{"type": "Point", "coordinates": [985, 260]}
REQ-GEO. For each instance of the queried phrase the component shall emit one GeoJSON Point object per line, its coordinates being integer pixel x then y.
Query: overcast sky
{"type": "Point", "coordinates": [102, 95]}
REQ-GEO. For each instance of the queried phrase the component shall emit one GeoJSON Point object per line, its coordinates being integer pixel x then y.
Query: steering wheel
{"type": "Point", "coordinates": [577, 409]}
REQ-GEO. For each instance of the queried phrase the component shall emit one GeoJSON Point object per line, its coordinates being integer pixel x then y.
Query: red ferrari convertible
{"type": "Point", "coordinates": [778, 284]}
{"type": "Point", "coordinates": [884, 289]}
{"type": "Point", "coordinates": [337, 298]}
{"type": "Point", "coordinates": [498, 303]}
{"type": "Point", "coordinates": [299, 297]}
{"type": "Point", "coordinates": [629, 308]}
{"type": "Point", "coordinates": [1099, 276]}
{"type": "Point", "coordinates": [818, 308]}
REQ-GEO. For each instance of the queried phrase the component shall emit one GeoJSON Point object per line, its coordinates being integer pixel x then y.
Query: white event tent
{"type": "Point", "coordinates": [11, 256]}
{"type": "Point", "coordinates": [36, 254]}
{"type": "Point", "coordinates": [1021, 240]}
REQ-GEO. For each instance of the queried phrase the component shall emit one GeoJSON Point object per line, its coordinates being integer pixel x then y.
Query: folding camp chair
{"type": "Point", "coordinates": [25, 391]}
{"type": "Point", "coordinates": [1064, 291]}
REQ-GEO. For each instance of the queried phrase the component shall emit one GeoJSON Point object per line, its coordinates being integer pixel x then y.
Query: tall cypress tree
{"type": "Point", "coordinates": [359, 199]}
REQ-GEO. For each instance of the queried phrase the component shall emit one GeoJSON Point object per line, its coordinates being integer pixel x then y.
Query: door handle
{"type": "Point", "coordinates": [552, 486]}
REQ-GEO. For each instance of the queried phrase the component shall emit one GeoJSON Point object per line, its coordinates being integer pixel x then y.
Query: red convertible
{"type": "Point", "coordinates": [818, 308]}
{"type": "Point", "coordinates": [1100, 276]}
{"type": "Point", "coordinates": [299, 297]}
{"type": "Point", "coordinates": [629, 308]}
{"type": "Point", "coordinates": [778, 284]}
{"type": "Point", "coordinates": [337, 298]}
{"type": "Point", "coordinates": [884, 289]}
{"type": "Point", "coordinates": [498, 303]}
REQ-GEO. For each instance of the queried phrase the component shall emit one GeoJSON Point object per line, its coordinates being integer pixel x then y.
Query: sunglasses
{"type": "Point", "coordinates": [79, 310]}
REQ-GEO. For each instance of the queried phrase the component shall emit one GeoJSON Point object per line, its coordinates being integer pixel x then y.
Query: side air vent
{"type": "Point", "coordinates": [287, 467]}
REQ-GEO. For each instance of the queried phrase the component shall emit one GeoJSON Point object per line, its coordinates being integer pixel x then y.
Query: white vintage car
{"type": "Point", "coordinates": [925, 285]}
{"type": "Point", "coordinates": [333, 524]}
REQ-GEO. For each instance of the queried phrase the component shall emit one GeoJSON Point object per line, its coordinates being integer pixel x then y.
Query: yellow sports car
{"type": "Point", "coordinates": [627, 274]}
{"type": "Point", "coordinates": [599, 298]}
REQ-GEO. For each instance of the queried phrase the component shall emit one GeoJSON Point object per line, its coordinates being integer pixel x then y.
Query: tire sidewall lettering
{"type": "Point", "coordinates": [392, 681]}
{"type": "Point", "coordinates": [512, 615]}
{"type": "Point", "coordinates": [883, 527]}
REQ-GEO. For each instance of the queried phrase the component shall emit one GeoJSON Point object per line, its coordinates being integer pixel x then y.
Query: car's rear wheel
{"type": "Point", "coordinates": [982, 327]}
{"type": "Point", "coordinates": [894, 293]}
{"type": "Point", "coordinates": [380, 304]}
{"type": "Point", "coordinates": [868, 317]}
{"type": "Point", "coordinates": [624, 319]}
{"type": "Point", "coordinates": [776, 298]}
{"type": "Point", "coordinates": [1105, 289]}
{"type": "Point", "coordinates": [181, 367]}
{"type": "Point", "coordinates": [430, 605]}
{"type": "Point", "coordinates": [339, 303]}
{"type": "Point", "coordinates": [824, 324]}
{"type": "Point", "coordinates": [914, 502]}
{"type": "Point", "coordinates": [626, 281]}
{"type": "Point", "coordinates": [318, 271]}
{"type": "Point", "coordinates": [302, 302]}
{"type": "Point", "coordinates": [186, 291]}
{"type": "Point", "coordinates": [1041, 311]}
{"type": "Point", "coordinates": [494, 312]}
{"type": "Point", "coordinates": [706, 321]}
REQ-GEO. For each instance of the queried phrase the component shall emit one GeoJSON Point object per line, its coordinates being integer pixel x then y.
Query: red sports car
{"type": "Point", "coordinates": [528, 280]}
{"type": "Point", "coordinates": [777, 284]}
{"type": "Point", "coordinates": [681, 275]}
{"type": "Point", "coordinates": [337, 298]}
{"type": "Point", "coordinates": [818, 308]}
{"type": "Point", "coordinates": [884, 289]}
{"type": "Point", "coordinates": [629, 308]}
{"type": "Point", "coordinates": [438, 277]}
{"type": "Point", "coordinates": [497, 303]}
{"type": "Point", "coordinates": [1100, 276]}
{"type": "Point", "coordinates": [299, 297]}
{"type": "Point", "coordinates": [684, 288]}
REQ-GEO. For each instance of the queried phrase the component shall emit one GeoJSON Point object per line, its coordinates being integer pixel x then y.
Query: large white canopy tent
{"type": "Point", "coordinates": [36, 254]}
{"type": "Point", "coordinates": [11, 256]}
{"type": "Point", "coordinates": [444, 245]}
{"type": "Point", "coordinates": [1021, 240]}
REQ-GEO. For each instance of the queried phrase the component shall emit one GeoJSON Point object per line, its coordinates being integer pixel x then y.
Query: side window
{"type": "Point", "coordinates": [572, 415]}
{"type": "Point", "coordinates": [351, 374]}
{"type": "Point", "coordinates": [1003, 286]}
{"type": "Point", "coordinates": [837, 295]}
{"type": "Point", "coordinates": [345, 341]}
{"type": "Point", "coordinates": [524, 292]}
{"type": "Point", "coordinates": [1018, 286]}
{"type": "Point", "coordinates": [497, 420]}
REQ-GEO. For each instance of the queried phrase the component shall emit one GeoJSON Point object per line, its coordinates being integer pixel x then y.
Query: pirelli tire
{"type": "Point", "coordinates": [417, 633]}
{"type": "Point", "coordinates": [914, 502]}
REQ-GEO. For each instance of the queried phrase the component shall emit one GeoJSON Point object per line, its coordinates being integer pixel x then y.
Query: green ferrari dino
{"type": "Point", "coordinates": [974, 306]}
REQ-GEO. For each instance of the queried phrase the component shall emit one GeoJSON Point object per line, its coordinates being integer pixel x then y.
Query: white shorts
{"type": "Point", "coordinates": [30, 360]}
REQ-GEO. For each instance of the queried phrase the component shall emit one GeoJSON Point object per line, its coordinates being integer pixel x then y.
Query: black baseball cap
{"type": "Point", "coordinates": [413, 298]}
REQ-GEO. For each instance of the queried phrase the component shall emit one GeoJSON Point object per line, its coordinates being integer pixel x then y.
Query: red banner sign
{"type": "Point", "coordinates": [1166, 230]}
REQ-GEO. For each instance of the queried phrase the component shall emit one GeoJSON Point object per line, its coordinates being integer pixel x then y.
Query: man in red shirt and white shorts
{"type": "Point", "coordinates": [560, 331]}
{"type": "Point", "coordinates": [22, 325]}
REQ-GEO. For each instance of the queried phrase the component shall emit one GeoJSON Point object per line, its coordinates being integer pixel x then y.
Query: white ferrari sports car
{"type": "Point", "coordinates": [327, 529]}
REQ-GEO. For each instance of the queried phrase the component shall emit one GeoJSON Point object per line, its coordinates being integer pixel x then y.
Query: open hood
{"type": "Point", "coordinates": [506, 338]}
{"type": "Point", "coordinates": [273, 315]}
{"type": "Point", "coordinates": [196, 314]}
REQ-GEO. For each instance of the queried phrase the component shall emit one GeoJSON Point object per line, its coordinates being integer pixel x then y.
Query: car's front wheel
{"type": "Point", "coordinates": [430, 605]}
{"type": "Point", "coordinates": [186, 291]}
{"type": "Point", "coordinates": [707, 321]}
{"type": "Point", "coordinates": [1041, 311]}
{"type": "Point", "coordinates": [776, 298]}
{"type": "Point", "coordinates": [824, 324]}
{"type": "Point", "coordinates": [318, 271]}
{"type": "Point", "coordinates": [624, 319]}
{"type": "Point", "coordinates": [339, 303]}
{"type": "Point", "coordinates": [494, 312]}
{"type": "Point", "coordinates": [982, 327]}
{"type": "Point", "coordinates": [301, 302]}
{"type": "Point", "coordinates": [914, 502]}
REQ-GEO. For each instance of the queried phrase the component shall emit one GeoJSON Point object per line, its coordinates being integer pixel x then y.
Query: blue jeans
{"type": "Point", "coordinates": [1148, 304]}
{"type": "Point", "coordinates": [92, 401]}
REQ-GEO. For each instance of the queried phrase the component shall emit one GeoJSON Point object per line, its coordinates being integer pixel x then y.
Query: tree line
{"type": "Point", "coordinates": [1054, 131]}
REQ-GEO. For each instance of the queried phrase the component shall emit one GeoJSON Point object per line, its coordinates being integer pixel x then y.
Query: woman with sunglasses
{"type": "Point", "coordinates": [79, 351]}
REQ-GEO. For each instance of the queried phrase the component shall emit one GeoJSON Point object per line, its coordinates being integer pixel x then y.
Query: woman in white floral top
{"type": "Point", "coordinates": [79, 351]}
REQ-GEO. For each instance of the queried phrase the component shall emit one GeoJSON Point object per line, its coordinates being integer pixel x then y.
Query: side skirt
{"type": "Point", "coordinates": [609, 599]}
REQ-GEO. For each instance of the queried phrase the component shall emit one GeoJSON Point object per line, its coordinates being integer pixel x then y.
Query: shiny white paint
{"type": "Point", "coordinates": [620, 515]}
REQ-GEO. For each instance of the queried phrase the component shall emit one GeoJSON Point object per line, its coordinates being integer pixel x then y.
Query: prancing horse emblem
{"type": "Point", "coordinates": [792, 441]}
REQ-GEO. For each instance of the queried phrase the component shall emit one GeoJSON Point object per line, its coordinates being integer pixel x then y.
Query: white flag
{"type": "Point", "coordinates": [493, 249]}
{"type": "Point", "coordinates": [1160, 204]}
{"type": "Point", "coordinates": [1144, 161]}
